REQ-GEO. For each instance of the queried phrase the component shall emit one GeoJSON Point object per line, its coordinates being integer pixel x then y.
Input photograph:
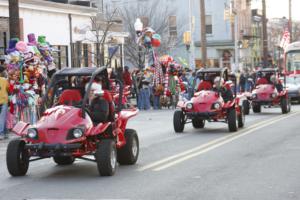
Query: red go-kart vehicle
{"type": "Point", "coordinates": [210, 103]}
{"type": "Point", "coordinates": [268, 92]}
{"type": "Point", "coordinates": [73, 127]}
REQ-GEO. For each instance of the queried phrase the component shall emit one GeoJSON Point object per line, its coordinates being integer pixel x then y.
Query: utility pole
{"type": "Point", "coordinates": [235, 18]}
{"type": "Point", "coordinates": [192, 49]}
{"type": "Point", "coordinates": [265, 36]}
{"type": "Point", "coordinates": [14, 21]}
{"type": "Point", "coordinates": [203, 32]}
{"type": "Point", "coordinates": [290, 21]}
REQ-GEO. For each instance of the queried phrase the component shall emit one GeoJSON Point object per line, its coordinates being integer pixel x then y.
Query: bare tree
{"type": "Point", "coordinates": [157, 15]}
{"type": "Point", "coordinates": [100, 28]}
{"type": "Point", "coordinates": [14, 23]}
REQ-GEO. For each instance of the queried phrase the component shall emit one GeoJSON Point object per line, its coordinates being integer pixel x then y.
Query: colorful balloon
{"type": "Point", "coordinates": [156, 40]}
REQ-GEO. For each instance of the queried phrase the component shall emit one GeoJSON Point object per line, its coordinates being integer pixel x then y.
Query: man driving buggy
{"type": "Point", "coordinates": [223, 88]}
{"type": "Point", "coordinates": [277, 83]}
{"type": "Point", "coordinates": [98, 105]}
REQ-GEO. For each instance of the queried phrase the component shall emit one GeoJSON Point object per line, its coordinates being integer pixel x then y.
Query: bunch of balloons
{"type": "Point", "coordinates": [149, 38]}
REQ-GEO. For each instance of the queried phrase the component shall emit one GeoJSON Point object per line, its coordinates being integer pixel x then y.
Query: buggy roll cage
{"type": "Point", "coordinates": [273, 70]}
{"type": "Point", "coordinates": [86, 71]}
{"type": "Point", "coordinates": [223, 73]}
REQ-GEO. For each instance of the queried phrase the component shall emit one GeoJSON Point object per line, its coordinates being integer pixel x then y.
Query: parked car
{"type": "Point", "coordinates": [73, 127]}
{"type": "Point", "coordinates": [293, 87]}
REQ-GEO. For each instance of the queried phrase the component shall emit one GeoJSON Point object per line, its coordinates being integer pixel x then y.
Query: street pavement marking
{"type": "Point", "coordinates": [188, 154]}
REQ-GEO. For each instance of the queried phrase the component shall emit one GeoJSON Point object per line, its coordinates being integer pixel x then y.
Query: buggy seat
{"type": "Point", "coordinates": [204, 85]}
{"type": "Point", "coordinates": [70, 97]}
{"type": "Point", "coordinates": [102, 108]}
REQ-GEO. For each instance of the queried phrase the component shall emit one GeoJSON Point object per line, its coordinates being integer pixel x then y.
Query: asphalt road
{"type": "Point", "coordinates": [260, 161]}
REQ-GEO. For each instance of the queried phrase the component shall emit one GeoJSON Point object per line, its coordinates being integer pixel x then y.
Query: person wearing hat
{"type": "Point", "coordinates": [3, 103]}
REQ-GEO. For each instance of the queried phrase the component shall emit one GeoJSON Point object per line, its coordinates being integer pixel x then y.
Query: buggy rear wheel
{"type": "Point", "coordinates": [198, 123]}
{"type": "Point", "coordinates": [256, 108]}
{"type": "Point", "coordinates": [17, 158]}
{"type": "Point", "coordinates": [231, 116]}
{"type": "Point", "coordinates": [64, 160]}
{"type": "Point", "coordinates": [128, 154]}
{"type": "Point", "coordinates": [106, 157]}
{"type": "Point", "coordinates": [246, 107]}
{"type": "Point", "coordinates": [178, 121]}
{"type": "Point", "coordinates": [241, 117]}
{"type": "Point", "coordinates": [285, 105]}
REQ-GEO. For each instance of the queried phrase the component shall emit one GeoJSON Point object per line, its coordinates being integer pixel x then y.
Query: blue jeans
{"type": "Point", "coordinates": [156, 102]}
{"type": "Point", "coordinates": [3, 115]}
{"type": "Point", "coordinates": [144, 99]}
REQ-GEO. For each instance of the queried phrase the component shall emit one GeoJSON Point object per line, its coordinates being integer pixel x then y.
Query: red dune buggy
{"type": "Point", "coordinates": [212, 103]}
{"type": "Point", "coordinates": [269, 92]}
{"type": "Point", "coordinates": [74, 127]}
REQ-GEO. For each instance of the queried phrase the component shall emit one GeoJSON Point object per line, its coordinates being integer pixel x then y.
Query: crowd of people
{"type": "Point", "coordinates": [178, 83]}
{"type": "Point", "coordinates": [182, 83]}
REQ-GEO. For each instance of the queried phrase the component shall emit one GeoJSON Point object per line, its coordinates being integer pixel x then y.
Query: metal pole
{"type": "Point", "coordinates": [192, 49]}
{"type": "Point", "coordinates": [140, 57]}
{"type": "Point", "coordinates": [290, 21]}
{"type": "Point", "coordinates": [203, 32]}
{"type": "Point", "coordinates": [265, 36]}
{"type": "Point", "coordinates": [14, 21]}
{"type": "Point", "coordinates": [71, 41]}
{"type": "Point", "coordinates": [236, 36]}
{"type": "Point", "coordinates": [236, 40]}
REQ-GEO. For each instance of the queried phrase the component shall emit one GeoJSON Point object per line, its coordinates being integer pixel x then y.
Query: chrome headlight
{"type": "Point", "coordinates": [77, 132]}
{"type": "Point", "coordinates": [189, 106]}
{"type": "Point", "coordinates": [217, 106]}
{"type": "Point", "coordinates": [254, 96]}
{"type": "Point", "coordinates": [32, 133]}
{"type": "Point", "coordinates": [273, 95]}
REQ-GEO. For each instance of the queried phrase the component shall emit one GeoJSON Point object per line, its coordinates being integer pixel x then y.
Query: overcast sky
{"type": "Point", "coordinates": [279, 8]}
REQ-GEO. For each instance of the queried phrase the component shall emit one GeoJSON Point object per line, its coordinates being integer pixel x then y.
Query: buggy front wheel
{"type": "Point", "coordinates": [17, 158]}
{"type": "Point", "coordinates": [178, 121]}
{"type": "Point", "coordinates": [106, 157]}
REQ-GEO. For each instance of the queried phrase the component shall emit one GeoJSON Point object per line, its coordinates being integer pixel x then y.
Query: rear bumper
{"type": "Point", "coordinates": [294, 95]}
{"type": "Point", "coordinates": [48, 150]}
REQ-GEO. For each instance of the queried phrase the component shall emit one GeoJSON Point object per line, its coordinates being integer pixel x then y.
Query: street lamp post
{"type": "Point", "coordinates": [138, 26]}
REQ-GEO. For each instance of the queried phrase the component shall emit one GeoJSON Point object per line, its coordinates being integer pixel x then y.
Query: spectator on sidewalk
{"type": "Point", "coordinates": [242, 82]}
{"type": "Point", "coordinates": [3, 103]}
{"type": "Point", "coordinates": [127, 77]}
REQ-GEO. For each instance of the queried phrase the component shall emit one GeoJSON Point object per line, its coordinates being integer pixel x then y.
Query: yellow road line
{"type": "Point", "coordinates": [180, 157]}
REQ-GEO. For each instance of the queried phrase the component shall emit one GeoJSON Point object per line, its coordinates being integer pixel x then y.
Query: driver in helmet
{"type": "Point", "coordinates": [224, 89]}
{"type": "Point", "coordinates": [260, 79]}
{"type": "Point", "coordinates": [276, 82]}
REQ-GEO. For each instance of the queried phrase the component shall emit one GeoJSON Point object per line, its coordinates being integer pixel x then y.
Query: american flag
{"type": "Point", "coordinates": [285, 39]}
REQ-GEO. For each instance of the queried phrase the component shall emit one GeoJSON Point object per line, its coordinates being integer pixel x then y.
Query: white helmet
{"type": "Point", "coordinates": [218, 80]}
{"type": "Point", "coordinates": [96, 89]}
{"type": "Point", "coordinates": [273, 79]}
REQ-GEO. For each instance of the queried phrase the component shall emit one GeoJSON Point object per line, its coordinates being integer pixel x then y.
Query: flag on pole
{"type": "Point", "coordinates": [285, 39]}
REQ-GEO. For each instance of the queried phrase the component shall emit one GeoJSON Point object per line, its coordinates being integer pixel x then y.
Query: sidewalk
{"type": "Point", "coordinates": [10, 136]}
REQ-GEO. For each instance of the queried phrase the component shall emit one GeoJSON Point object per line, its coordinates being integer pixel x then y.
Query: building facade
{"type": "Point", "coordinates": [219, 31]}
{"type": "Point", "coordinates": [67, 27]}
